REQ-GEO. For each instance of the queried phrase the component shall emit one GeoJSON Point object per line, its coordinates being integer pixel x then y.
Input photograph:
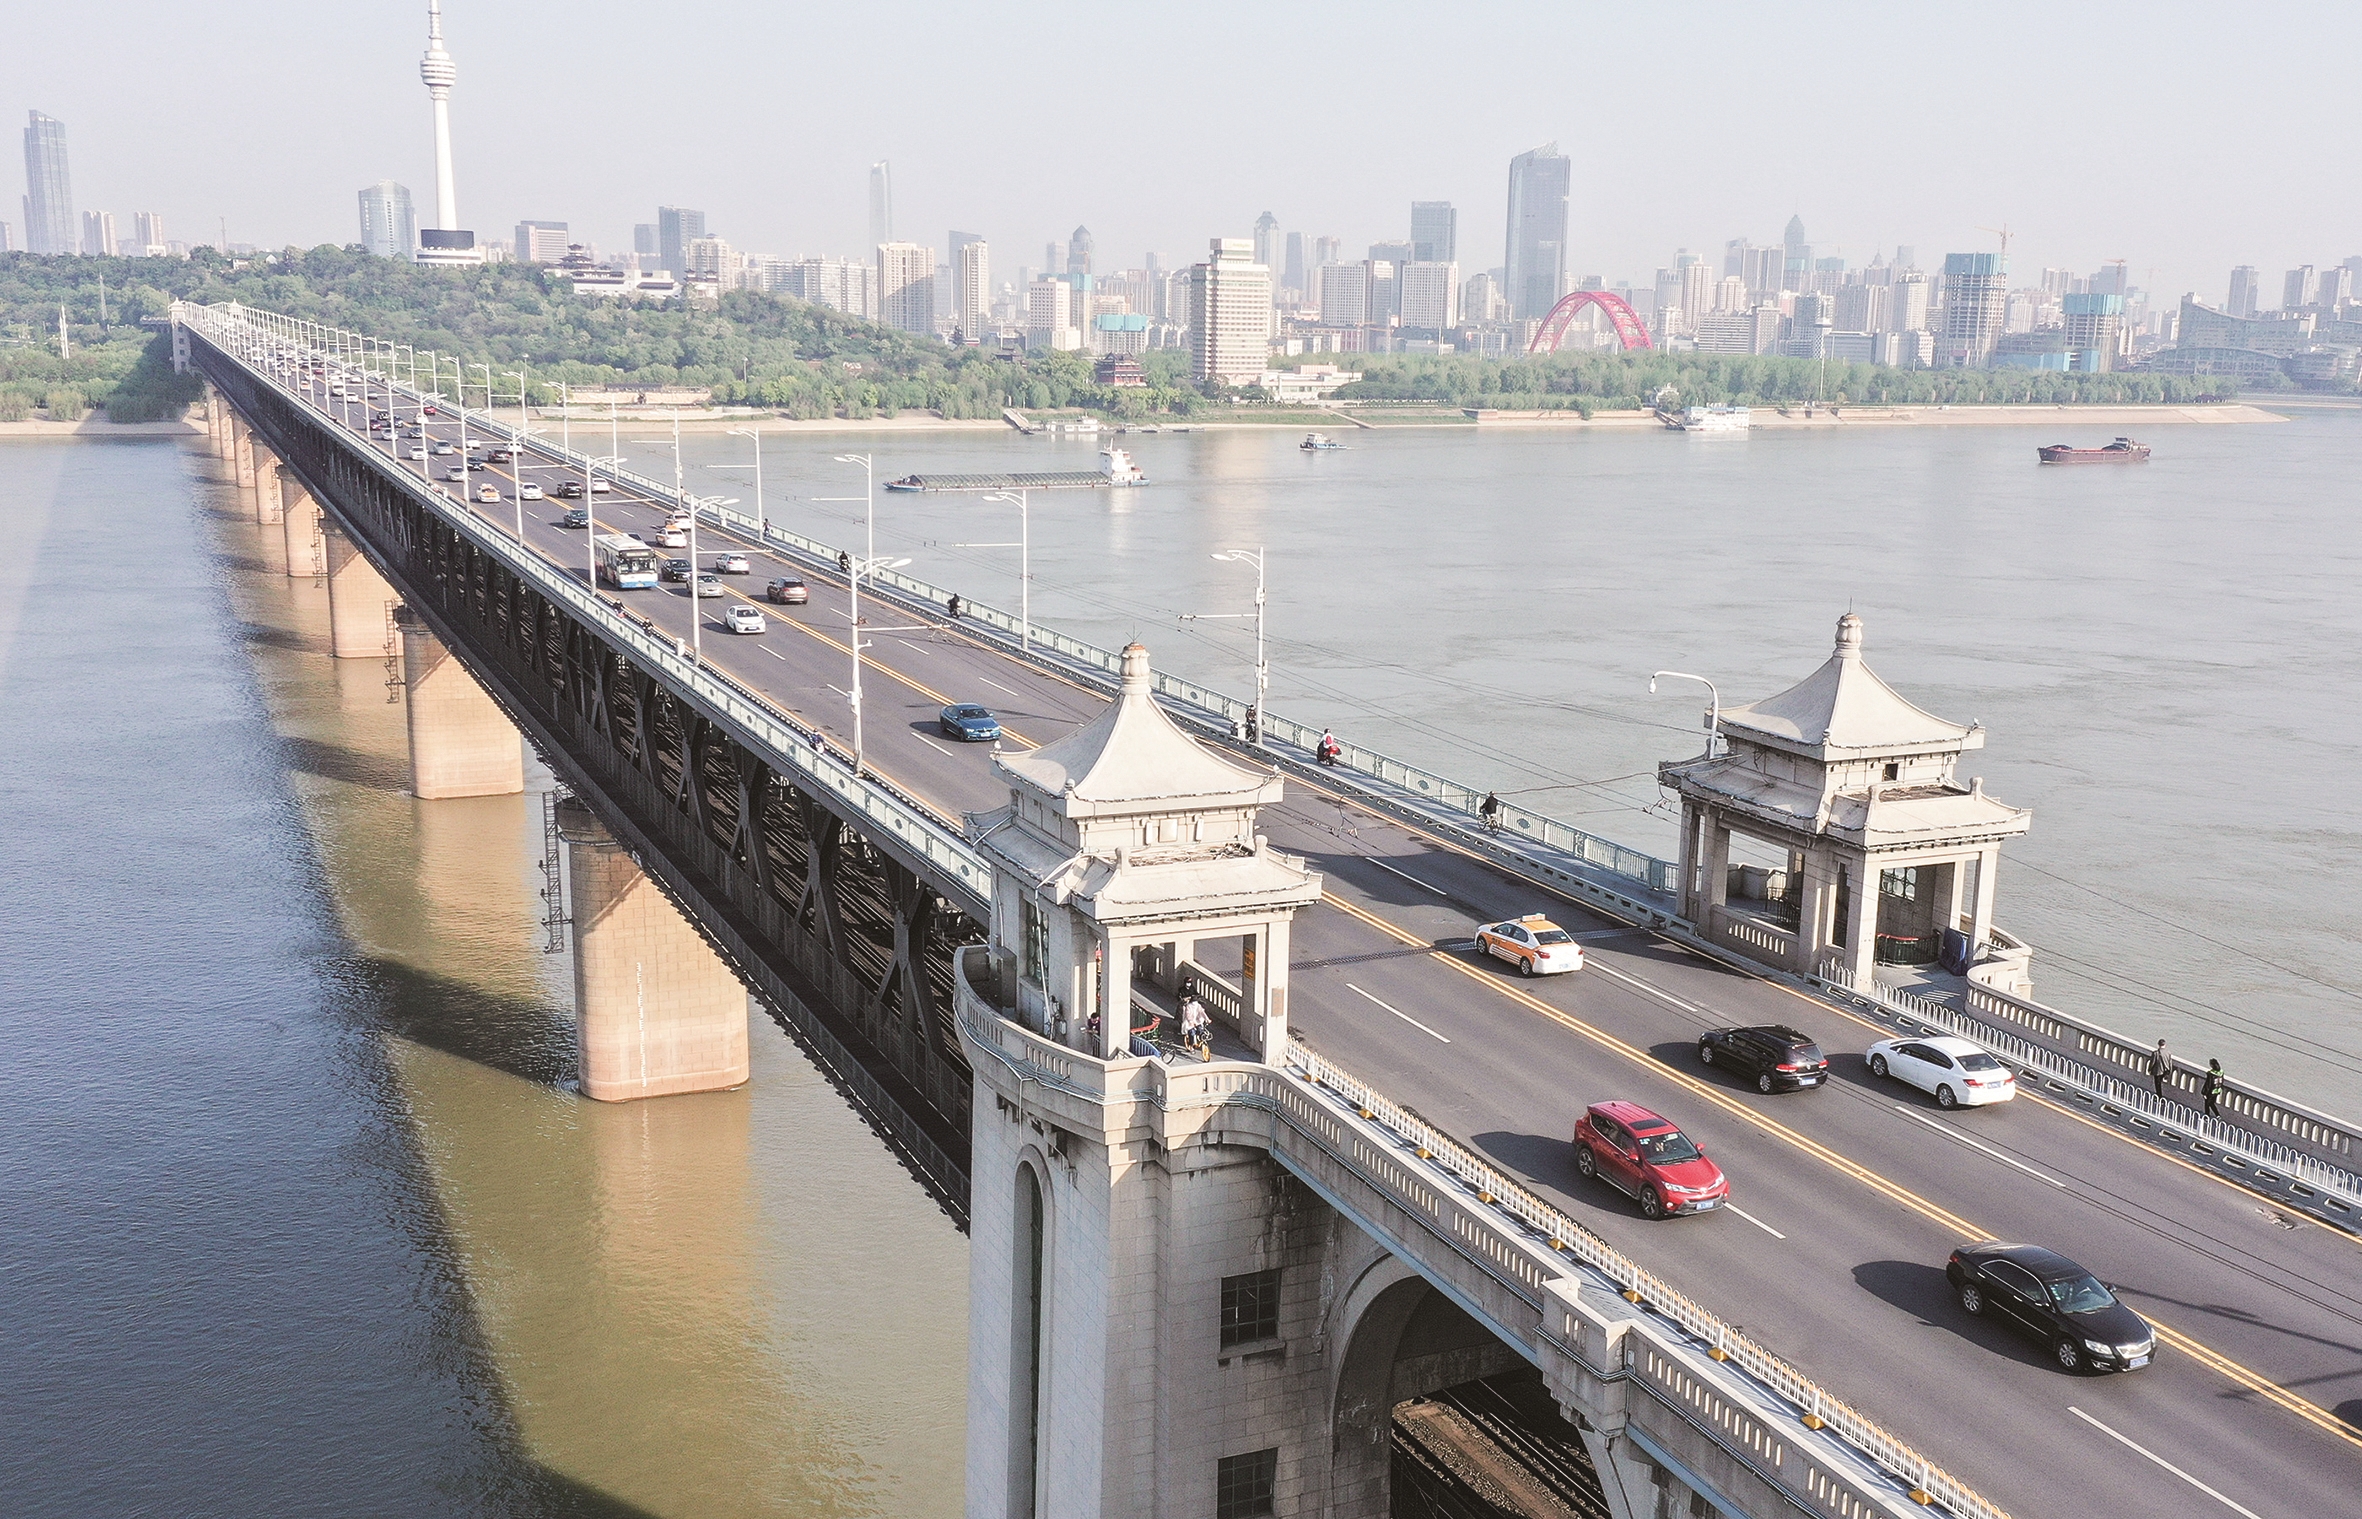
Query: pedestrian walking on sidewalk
{"type": "Point", "coordinates": [2212, 1089]}
{"type": "Point", "coordinates": [2160, 1067]}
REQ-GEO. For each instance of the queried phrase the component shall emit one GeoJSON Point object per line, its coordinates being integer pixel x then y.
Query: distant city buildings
{"type": "Point", "coordinates": [881, 204]}
{"type": "Point", "coordinates": [1049, 316]}
{"type": "Point", "coordinates": [148, 234]}
{"type": "Point", "coordinates": [1267, 249]}
{"type": "Point", "coordinates": [49, 190]}
{"type": "Point", "coordinates": [1976, 302]}
{"type": "Point", "coordinates": [98, 233]}
{"type": "Point", "coordinates": [676, 228]}
{"type": "Point", "coordinates": [1535, 241]}
{"type": "Point", "coordinates": [1435, 232]}
{"type": "Point", "coordinates": [389, 225]}
{"type": "Point", "coordinates": [1430, 296]}
{"type": "Point", "coordinates": [971, 286]}
{"type": "Point", "coordinates": [1229, 314]}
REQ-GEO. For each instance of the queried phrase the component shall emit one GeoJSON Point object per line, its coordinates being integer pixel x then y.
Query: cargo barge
{"type": "Point", "coordinates": [1116, 469]}
{"type": "Point", "coordinates": [2122, 451]}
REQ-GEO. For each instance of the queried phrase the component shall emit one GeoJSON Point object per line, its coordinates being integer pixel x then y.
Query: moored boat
{"type": "Point", "coordinates": [2122, 451]}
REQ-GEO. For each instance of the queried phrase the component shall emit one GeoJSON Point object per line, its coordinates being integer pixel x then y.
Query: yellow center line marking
{"type": "Point", "coordinates": [2214, 1360]}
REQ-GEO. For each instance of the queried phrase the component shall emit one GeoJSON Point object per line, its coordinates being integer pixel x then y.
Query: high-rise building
{"type": "Point", "coordinates": [49, 191]}
{"type": "Point", "coordinates": [971, 295]}
{"type": "Point", "coordinates": [389, 226]}
{"type": "Point", "coordinates": [1267, 240]}
{"type": "Point", "coordinates": [446, 242]}
{"type": "Point", "coordinates": [1481, 300]}
{"type": "Point", "coordinates": [1430, 296]}
{"type": "Point", "coordinates": [841, 284]}
{"type": "Point", "coordinates": [1435, 232]}
{"type": "Point", "coordinates": [2246, 292]}
{"type": "Point", "coordinates": [1536, 242]}
{"type": "Point", "coordinates": [1049, 316]}
{"type": "Point", "coordinates": [881, 203]}
{"type": "Point", "coordinates": [2094, 329]}
{"type": "Point", "coordinates": [1976, 303]}
{"type": "Point", "coordinates": [676, 228]}
{"type": "Point", "coordinates": [7, 238]}
{"type": "Point", "coordinates": [644, 241]}
{"type": "Point", "coordinates": [2337, 284]}
{"type": "Point", "coordinates": [2296, 290]}
{"type": "Point", "coordinates": [540, 242]}
{"type": "Point", "coordinates": [1229, 313]}
{"type": "Point", "coordinates": [1344, 294]}
{"type": "Point", "coordinates": [712, 260]}
{"type": "Point", "coordinates": [1078, 252]}
{"type": "Point", "coordinates": [1293, 274]}
{"type": "Point", "coordinates": [1796, 266]}
{"type": "Point", "coordinates": [1325, 250]}
{"type": "Point", "coordinates": [148, 233]}
{"type": "Point", "coordinates": [1697, 291]}
{"type": "Point", "coordinates": [906, 286]}
{"type": "Point", "coordinates": [98, 233]}
{"type": "Point", "coordinates": [1908, 301]}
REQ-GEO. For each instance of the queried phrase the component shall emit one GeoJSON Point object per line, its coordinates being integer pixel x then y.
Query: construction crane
{"type": "Point", "coordinates": [2001, 232]}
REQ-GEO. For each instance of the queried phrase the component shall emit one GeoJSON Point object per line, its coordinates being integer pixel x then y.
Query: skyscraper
{"type": "Point", "coordinates": [881, 204]}
{"type": "Point", "coordinates": [676, 228]}
{"type": "Point", "coordinates": [389, 226]}
{"type": "Point", "coordinates": [2246, 295]}
{"type": "Point", "coordinates": [98, 233]}
{"type": "Point", "coordinates": [1535, 269]}
{"type": "Point", "coordinates": [1976, 304]}
{"type": "Point", "coordinates": [644, 242]}
{"type": "Point", "coordinates": [1078, 252]}
{"type": "Point", "coordinates": [1435, 232]}
{"type": "Point", "coordinates": [149, 229]}
{"type": "Point", "coordinates": [2297, 288]}
{"type": "Point", "coordinates": [49, 193]}
{"type": "Point", "coordinates": [906, 286]}
{"type": "Point", "coordinates": [1325, 250]}
{"type": "Point", "coordinates": [1292, 278]}
{"type": "Point", "coordinates": [971, 276]}
{"type": "Point", "coordinates": [1797, 269]}
{"type": "Point", "coordinates": [1229, 314]}
{"type": "Point", "coordinates": [1267, 240]}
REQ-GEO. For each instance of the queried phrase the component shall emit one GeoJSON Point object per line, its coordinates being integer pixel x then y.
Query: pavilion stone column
{"type": "Point", "coordinates": [268, 507]}
{"type": "Point", "coordinates": [657, 1011]}
{"type": "Point", "coordinates": [1685, 891]}
{"type": "Point", "coordinates": [359, 600]}
{"type": "Point", "coordinates": [461, 743]}
{"type": "Point", "coordinates": [1816, 893]}
{"type": "Point", "coordinates": [1715, 889]}
{"type": "Point", "coordinates": [299, 521]}
{"type": "Point", "coordinates": [1861, 929]}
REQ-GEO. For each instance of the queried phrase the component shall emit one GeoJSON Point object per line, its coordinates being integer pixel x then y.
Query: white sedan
{"type": "Point", "coordinates": [743, 620]}
{"type": "Point", "coordinates": [528, 491]}
{"type": "Point", "coordinates": [1954, 1071]}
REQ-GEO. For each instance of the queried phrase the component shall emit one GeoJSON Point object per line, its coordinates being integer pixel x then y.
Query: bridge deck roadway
{"type": "Point", "coordinates": [1851, 1195]}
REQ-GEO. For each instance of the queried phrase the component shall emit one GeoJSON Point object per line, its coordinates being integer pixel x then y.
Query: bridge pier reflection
{"type": "Point", "coordinates": [657, 1010]}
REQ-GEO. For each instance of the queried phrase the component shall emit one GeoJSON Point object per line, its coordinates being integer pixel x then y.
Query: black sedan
{"type": "Point", "coordinates": [2042, 1293]}
{"type": "Point", "coordinates": [571, 490]}
{"type": "Point", "coordinates": [674, 569]}
{"type": "Point", "coordinates": [1775, 1056]}
{"type": "Point", "coordinates": [969, 723]}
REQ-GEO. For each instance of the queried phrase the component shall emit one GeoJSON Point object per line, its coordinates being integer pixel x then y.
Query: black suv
{"type": "Point", "coordinates": [674, 569]}
{"type": "Point", "coordinates": [2046, 1295]}
{"type": "Point", "coordinates": [1777, 1056]}
{"type": "Point", "coordinates": [571, 490]}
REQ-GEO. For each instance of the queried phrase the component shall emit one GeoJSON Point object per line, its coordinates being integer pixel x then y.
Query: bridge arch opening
{"type": "Point", "coordinates": [1433, 1415]}
{"type": "Point", "coordinates": [1631, 331]}
{"type": "Point", "coordinates": [1028, 1242]}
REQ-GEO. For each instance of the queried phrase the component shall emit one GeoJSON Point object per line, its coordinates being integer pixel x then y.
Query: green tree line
{"type": "Point", "coordinates": [806, 361]}
{"type": "Point", "coordinates": [1614, 380]}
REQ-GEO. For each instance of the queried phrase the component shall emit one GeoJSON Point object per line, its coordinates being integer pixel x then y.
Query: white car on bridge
{"type": "Point", "coordinates": [1955, 1072]}
{"type": "Point", "coordinates": [743, 620]}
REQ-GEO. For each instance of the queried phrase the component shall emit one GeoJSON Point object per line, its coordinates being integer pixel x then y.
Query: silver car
{"type": "Point", "coordinates": [732, 564]}
{"type": "Point", "coordinates": [707, 585]}
{"type": "Point", "coordinates": [743, 620]}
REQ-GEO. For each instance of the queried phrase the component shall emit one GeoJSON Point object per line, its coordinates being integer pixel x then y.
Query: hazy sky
{"type": "Point", "coordinates": [2182, 138]}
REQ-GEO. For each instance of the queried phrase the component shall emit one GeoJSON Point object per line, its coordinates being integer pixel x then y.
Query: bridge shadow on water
{"type": "Point", "coordinates": [515, 1036]}
{"type": "Point", "coordinates": [353, 767]}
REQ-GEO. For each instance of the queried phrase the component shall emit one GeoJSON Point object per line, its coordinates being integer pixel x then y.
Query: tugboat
{"type": "Point", "coordinates": [2122, 451]}
{"type": "Point", "coordinates": [1314, 442]}
{"type": "Point", "coordinates": [906, 483]}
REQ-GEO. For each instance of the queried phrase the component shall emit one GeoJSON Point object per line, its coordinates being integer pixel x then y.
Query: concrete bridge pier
{"type": "Point", "coordinates": [242, 452]}
{"type": "Point", "coordinates": [299, 520]}
{"type": "Point", "coordinates": [658, 1012]}
{"type": "Point", "coordinates": [268, 507]}
{"type": "Point", "coordinates": [360, 603]}
{"type": "Point", "coordinates": [461, 743]}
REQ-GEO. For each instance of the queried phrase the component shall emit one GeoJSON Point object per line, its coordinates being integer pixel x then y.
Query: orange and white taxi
{"type": "Point", "coordinates": [1534, 944]}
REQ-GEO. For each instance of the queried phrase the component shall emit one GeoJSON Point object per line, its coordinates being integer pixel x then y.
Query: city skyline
{"type": "Point", "coordinates": [1708, 176]}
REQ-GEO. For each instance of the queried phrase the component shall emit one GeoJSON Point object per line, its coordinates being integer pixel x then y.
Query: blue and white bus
{"type": "Point", "coordinates": [626, 563]}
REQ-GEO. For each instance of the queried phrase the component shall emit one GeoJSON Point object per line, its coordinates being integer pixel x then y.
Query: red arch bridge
{"type": "Point", "coordinates": [1630, 329]}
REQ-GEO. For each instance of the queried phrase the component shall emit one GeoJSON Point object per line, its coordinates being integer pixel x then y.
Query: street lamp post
{"type": "Point", "coordinates": [1253, 556]}
{"type": "Point", "coordinates": [1019, 499]}
{"type": "Point", "coordinates": [1713, 697]}
{"type": "Point", "coordinates": [763, 529]}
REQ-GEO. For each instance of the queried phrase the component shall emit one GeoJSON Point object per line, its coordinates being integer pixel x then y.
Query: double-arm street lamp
{"type": "Point", "coordinates": [762, 520]}
{"type": "Point", "coordinates": [868, 564]}
{"type": "Point", "coordinates": [1253, 556]}
{"type": "Point", "coordinates": [1018, 499]}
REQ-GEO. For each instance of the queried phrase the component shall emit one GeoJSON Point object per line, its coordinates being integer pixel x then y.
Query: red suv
{"type": "Point", "coordinates": [1647, 1157]}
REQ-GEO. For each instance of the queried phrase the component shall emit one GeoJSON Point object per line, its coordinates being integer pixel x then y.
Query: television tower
{"type": "Point", "coordinates": [440, 73]}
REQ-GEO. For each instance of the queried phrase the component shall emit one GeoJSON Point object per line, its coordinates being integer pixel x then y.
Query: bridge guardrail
{"type": "Point", "coordinates": [789, 749]}
{"type": "Point", "coordinates": [1522, 827]}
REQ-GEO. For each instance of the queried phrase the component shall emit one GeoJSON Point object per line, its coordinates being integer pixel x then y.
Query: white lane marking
{"type": "Point", "coordinates": [1399, 1013]}
{"type": "Point", "coordinates": [1949, 1132]}
{"type": "Point", "coordinates": [775, 654]}
{"type": "Point", "coordinates": [930, 743]}
{"type": "Point", "coordinates": [1406, 875]}
{"type": "Point", "coordinates": [997, 686]}
{"type": "Point", "coordinates": [2234, 1507]}
{"type": "Point", "coordinates": [1639, 985]}
{"type": "Point", "coordinates": [1731, 1207]}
